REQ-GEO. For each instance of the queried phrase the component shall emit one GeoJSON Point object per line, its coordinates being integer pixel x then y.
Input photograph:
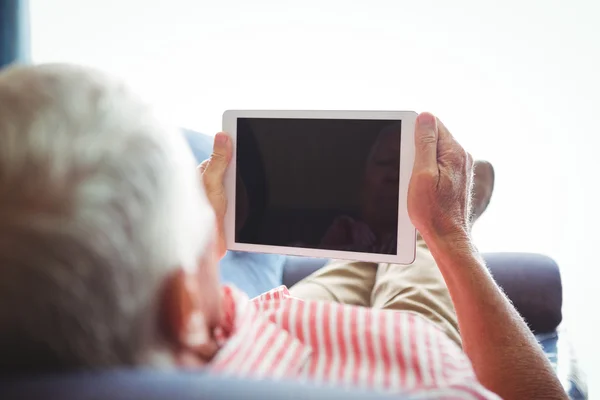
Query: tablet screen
{"type": "Point", "coordinates": [318, 183]}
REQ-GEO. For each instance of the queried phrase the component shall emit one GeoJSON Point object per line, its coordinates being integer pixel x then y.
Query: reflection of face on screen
{"type": "Point", "coordinates": [318, 183]}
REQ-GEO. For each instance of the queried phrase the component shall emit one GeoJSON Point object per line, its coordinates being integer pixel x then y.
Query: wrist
{"type": "Point", "coordinates": [450, 247]}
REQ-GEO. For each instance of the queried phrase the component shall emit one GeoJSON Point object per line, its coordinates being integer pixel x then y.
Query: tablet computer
{"type": "Point", "coordinates": [329, 184]}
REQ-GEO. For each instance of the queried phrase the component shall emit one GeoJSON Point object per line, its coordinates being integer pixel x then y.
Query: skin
{"type": "Point", "coordinates": [505, 355]}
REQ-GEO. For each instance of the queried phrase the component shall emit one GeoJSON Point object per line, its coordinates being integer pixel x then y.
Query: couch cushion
{"type": "Point", "coordinates": [157, 385]}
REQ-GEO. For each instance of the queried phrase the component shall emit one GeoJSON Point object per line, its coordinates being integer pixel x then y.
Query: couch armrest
{"type": "Point", "coordinates": [531, 281]}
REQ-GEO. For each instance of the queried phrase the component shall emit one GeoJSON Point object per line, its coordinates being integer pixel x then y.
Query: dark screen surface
{"type": "Point", "coordinates": [318, 183]}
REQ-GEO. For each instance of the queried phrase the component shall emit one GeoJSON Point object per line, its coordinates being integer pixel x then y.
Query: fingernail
{"type": "Point", "coordinates": [221, 139]}
{"type": "Point", "coordinates": [426, 120]}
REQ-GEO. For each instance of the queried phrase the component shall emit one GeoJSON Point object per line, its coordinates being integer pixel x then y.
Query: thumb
{"type": "Point", "coordinates": [202, 167]}
{"type": "Point", "coordinates": [214, 170]}
{"type": "Point", "coordinates": [426, 138]}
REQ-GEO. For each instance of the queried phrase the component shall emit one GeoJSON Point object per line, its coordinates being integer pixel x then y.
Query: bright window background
{"type": "Point", "coordinates": [516, 81]}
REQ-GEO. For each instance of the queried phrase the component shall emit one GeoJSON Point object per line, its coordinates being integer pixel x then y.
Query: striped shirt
{"type": "Point", "coordinates": [278, 336]}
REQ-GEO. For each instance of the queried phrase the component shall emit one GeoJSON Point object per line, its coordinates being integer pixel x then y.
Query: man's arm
{"type": "Point", "coordinates": [505, 355]}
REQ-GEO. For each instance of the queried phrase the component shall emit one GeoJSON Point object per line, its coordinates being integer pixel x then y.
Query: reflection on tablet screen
{"type": "Point", "coordinates": [318, 183]}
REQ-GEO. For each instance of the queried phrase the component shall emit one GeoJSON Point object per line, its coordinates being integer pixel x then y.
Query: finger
{"type": "Point", "coordinates": [426, 138]}
{"type": "Point", "coordinates": [470, 164]}
{"type": "Point", "coordinates": [214, 171]}
{"type": "Point", "coordinates": [453, 152]}
{"type": "Point", "coordinates": [443, 132]}
{"type": "Point", "coordinates": [202, 166]}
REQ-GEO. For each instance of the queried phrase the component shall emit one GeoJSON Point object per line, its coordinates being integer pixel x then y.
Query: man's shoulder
{"type": "Point", "coordinates": [278, 293]}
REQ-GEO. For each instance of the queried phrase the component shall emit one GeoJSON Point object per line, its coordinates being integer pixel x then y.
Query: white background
{"type": "Point", "coordinates": [516, 81]}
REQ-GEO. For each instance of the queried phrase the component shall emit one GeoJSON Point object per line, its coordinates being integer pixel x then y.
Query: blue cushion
{"type": "Point", "coordinates": [250, 272]}
{"type": "Point", "coordinates": [172, 385]}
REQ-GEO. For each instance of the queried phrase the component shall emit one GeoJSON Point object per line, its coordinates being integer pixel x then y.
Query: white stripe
{"type": "Point", "coordinates": [320, 345]}
{"type": "Point", "coordinates": [285, 361]}
{"type": "Point", "coordinates": [284, 364]}
{"type": "Point", "coordinates": [293, 318]}
{"type": "Point", "coordinates": [335, 346]}
{"type": "Point", "coordinates": [420, 332]}
{"type": "Point", "coordinates": [349, 367]}
{"type": "Point", "coordinates": [278, 317]}
{"type": "Point", "coordinates": [270, 358]}
{"type": "Point", "coordinates": [257, 348]}
{"type": "Point", "coordinates": [249, 335]}
{"type": "Point", "coordinates": [457, 363]}
{"type": "Point", "coordinates": [236, 342]}
{"type": "Point", "coordinates": [305, 325]}
{"type": "Point", "coordinates": [391, 335]}
{"type": "Point", "coordinates": [406, 350]}
{"type": "Point", "coordinates": [436, 359]}
{"type": "Point", "coordinates": [363, 372]}
{"type": "Point", "coordinates": [377, 330]}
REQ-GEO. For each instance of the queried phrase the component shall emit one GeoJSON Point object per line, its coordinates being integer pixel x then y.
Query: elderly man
{"type": "Point", "coordinates": [109, 244]}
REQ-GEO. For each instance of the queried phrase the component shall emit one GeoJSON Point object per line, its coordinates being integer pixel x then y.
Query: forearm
{"type": "Point", "coordinates": [505, 355]}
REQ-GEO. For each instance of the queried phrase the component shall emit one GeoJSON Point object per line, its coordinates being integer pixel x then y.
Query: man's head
{"type": "Point", "coordinates": [105, 233]}
{"type": "Point", "coordinates": [380, 189]}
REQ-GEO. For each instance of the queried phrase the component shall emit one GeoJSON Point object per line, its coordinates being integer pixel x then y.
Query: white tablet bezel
{"type": "Point", "coordinates": [406, 249]}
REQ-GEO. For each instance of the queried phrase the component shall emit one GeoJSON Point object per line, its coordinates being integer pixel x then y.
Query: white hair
{"type": "Point", "coordinates": [99, 202]}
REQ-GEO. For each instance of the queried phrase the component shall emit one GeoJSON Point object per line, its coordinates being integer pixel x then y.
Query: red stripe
{"type": "Point", "coordinates": [403, 362]}
{"type": "Point", "coordinates": [283, 316]}
{"type": "Point", "coordinates": [385, 356]}
{"type": "Point", "coordinates": [445, 361]}
{"type": "Point", "coordinates": [234, 353]}
{"type": "Point", "coordinates": [243, 323]}
{"type": "Point", "coordinates": [313, 337]}
{"type": "Point", "coordinates": [313, 340]}
{"type": "Point", "coordinates": [354, 343]}
{"type": "Point", "coordinates": [414, 350]}
{"type": "Point", "coordinates": [438, 378]}
{"type": "Point", "coordinates": [341, 342]}
{"type": "Point", "coordinates": [241, 358]}
{"type": "Point", "coordinates": [298, 324]}
{"type": "Point", "coordinates": [429, 349]}
{"type": "Point", "coordinates": [329, 312]}
{"type": "Point", "coordinates": [297, 355]}
{"type": "Point", "coordinates": [369, 341]}
{"type": "Point", "coordinates": [264, 352]}
{"type": "Point", "coordinates": [294, 309]}
{"type": "Point", "coordinates": [279, 356]}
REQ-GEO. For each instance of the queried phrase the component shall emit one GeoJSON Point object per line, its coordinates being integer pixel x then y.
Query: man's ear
{"type": "Point", "coordinates": [182, 317]}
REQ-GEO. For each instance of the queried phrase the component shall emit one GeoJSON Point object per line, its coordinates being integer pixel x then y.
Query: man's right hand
{"type": "Point", "coordinates": [439, 194]}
